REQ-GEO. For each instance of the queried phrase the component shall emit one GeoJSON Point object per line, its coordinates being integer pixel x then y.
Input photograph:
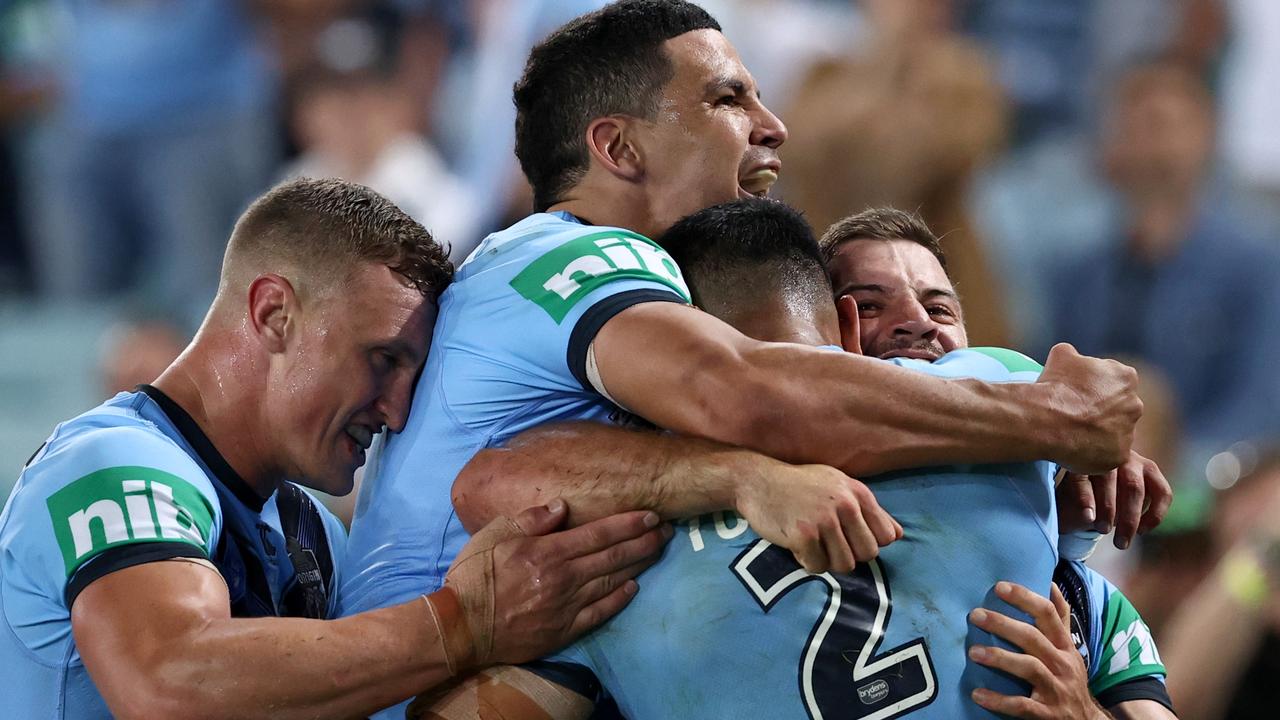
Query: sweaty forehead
{"type": "Point", "coordinates": [896, 265]}
{"type": "Point", "coordinates": [703, 58]}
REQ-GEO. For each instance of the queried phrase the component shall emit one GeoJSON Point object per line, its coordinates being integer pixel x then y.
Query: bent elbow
{"type": "Point", "coordinates": [472, 489]}
{"type": "Point", "coordinates": [156, 698]}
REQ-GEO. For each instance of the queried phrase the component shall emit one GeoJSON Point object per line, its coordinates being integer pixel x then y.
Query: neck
{"type": "Point", "coordinates": [1157, 226]}
{"type": "Point", "coordinates": [780, 322]}
{"type": "Point", "coordinates": [614, 205]}
{"type": "Point", "coordinates": [209, 382]}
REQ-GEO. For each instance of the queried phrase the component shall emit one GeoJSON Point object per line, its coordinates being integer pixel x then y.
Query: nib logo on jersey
{"type": "Point", "coordinates": [122, 505]}
{"type": "Point", "coordinates": [560, 278]}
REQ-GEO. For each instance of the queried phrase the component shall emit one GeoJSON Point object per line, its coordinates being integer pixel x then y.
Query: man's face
{"type": "Point", "coordinates": [713, 140]}
{"type": "Point", "coordinates": [348, 373]}
{"type": "Point", "coordinates": [1158, 139]}
{"type": "Point", "coordinates": [907, 306]}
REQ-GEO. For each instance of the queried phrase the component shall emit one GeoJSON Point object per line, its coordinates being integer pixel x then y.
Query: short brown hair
{"type": "Point", "coordinates": [883, 223]}
{"type": "Point", "coordinates": [330, 225]}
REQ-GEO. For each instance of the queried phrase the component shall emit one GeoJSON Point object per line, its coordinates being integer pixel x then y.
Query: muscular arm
{"type": "Point", "coordinates": [600, 469]}
{"type": "Point", "coordinates": [158, 639]}
{"type": "Point", "coordinates": [689, 372]}
{"type": "Point", "coordinates": [829, 520]}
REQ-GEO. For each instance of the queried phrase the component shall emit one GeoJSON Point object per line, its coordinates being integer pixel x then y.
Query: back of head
{"type": "Point", "coordinates": [883, 223]}
{"type": "Point", "coordinates": [316, 233]}
{"type": "Point", "coordinates": [741, 254]}
{"type": "Point", "coordinates": [608, 62]}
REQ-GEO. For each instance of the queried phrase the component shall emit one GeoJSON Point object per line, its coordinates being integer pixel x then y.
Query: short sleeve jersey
{"type": "Point", "coordinates": [730, 626]}
{"type": "Point", "coordinates": [116, 487]}
{"type": "Point", "coordinates": [1116, 644]}
{"type": "Point", "coordinates": [509, 353]}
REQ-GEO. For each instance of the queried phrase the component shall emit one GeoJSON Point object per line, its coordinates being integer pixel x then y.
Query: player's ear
{"type": "Point", "coordinates": [850, 331]}
{"type": "Point", "coordinates": [612, 143]}
{"type": "Point", "coordinates": [272, 305]}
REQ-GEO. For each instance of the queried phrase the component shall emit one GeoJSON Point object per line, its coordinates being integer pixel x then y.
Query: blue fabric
{"type": "Point", "coordinates": [132, 65]}
{"type": "Point", "coordinates": [43, 675]}
{"type": "Point", "coordinates": [706, 629]}
{"type": "Point", "coordinates": [1208, 317]}
{"type": "Point", "coordinates": [498, 365]}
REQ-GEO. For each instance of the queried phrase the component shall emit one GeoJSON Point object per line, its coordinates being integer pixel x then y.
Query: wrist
{"type": "Point", "coordinates": [745, 473]}
{"type": "Point", "coordinates": [1045, 421]}
{"type": "Point", "coordinates": [454, 631]}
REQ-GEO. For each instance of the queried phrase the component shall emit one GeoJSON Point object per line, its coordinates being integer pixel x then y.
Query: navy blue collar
{"type": "Point", "coordinates": [204, 448]}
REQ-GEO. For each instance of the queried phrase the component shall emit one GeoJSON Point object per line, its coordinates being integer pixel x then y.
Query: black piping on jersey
{"type": "Point", "coordinates": [306, 541]}
{"type": "Point", "coordinates": [203, 446]}
{"type": "Point", "coordinates": [126, 556]}
{"type": "Point", "coordinates": [584, 333]}
{"type": "Point", "coordinates": [1076, 593]}
{"type": "Point", "coordinates": [1143, 688]}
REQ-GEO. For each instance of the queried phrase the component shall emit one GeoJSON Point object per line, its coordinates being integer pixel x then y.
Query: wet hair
{"type": "Point", "coordinates": [608, 62]}
{"type": "Point", "coordinates": [327, 227]}
{"type": "Point", "coordinates": [883, 224]}
{"type": "Point", "coordinates": [730, 253]}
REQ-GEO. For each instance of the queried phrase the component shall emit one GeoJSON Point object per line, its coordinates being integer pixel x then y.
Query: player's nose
{"type": "Point", "coordinates": [392, 404]}
{"type": "Point", "coordinates": [915, 321]}
{"type": "Point", "coordinates": [769, 129]}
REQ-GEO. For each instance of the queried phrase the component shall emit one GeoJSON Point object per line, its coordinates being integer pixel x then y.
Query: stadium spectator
{"type": "Point", "coordinates": [361, 127]}
{"type": "Point", "coordinates": [1180, 284]}
{"type": "Point", "coordinates": [162, 130]}
{"type": "Point", "coordinates": [155, 561]}
{"type": "Point", "coordinates": [867, 130]}
{"type": "Point", "coordinates": [136, 351]}
{"type": "Point", "coordinates": [1222, 646]}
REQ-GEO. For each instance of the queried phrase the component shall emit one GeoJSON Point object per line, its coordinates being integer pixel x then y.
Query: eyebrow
{"type": "Point", "coordinates": [400, 348]}
{"type": "Point", "coordinates": [940, 292]}
{"type": "Point", "coordinates": [727, 82]}
{"type": "Point", "coordinates": [856, 288]}
{"type": "Point", "coordinates": [927, 294]}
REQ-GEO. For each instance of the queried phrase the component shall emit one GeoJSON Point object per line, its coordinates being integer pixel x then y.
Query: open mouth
{"type": "Point", "coordinates": [913, 353]}
{"type": "Point", "coordinates": [757, 182]}
{"type": "Point", "coordinates": [360, 435]}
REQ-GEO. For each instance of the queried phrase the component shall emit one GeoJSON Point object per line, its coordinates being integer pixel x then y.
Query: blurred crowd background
{"type": "Point", "coordinates": [1104, 172]}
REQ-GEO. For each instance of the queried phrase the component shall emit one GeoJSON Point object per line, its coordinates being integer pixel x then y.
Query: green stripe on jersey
{"type": "Point", "coordinates": [124, 505]}
{"type": "Point", "coordinates": [1012, 360]}
{"type": "Point", "coordinates": [558, 279]}
{"type": "Point", "coordinates": [1128, 652]}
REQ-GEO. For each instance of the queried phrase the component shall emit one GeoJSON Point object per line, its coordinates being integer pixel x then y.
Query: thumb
{"type": "Point", "coordinates": [1062, 351]}
{"type": "Point", "coordinates": [542, 519]}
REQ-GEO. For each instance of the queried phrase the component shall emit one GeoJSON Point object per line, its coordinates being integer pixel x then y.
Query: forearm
{"type": "Point", "coordinates": [867, 417]}
{"type": "Point", "coordinates": [675, 476]}
{"type": "Point", "coordinates": [1206, 656]}
{"type": "Point", "coordinates": [286, 667]}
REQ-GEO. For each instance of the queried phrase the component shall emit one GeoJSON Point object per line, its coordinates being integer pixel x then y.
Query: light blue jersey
{"type": "Point", "coordinates": [508, 354]}
{"type": "Point", "coordinates": [1115, 642]}
{"type": "Point", "coordinates": [729, 626]}
{"type": "Point", "coordinates": [124, 484]}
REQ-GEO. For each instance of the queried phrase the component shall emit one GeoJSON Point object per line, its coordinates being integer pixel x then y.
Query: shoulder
{"type": "Point", "coordinates": [108, 483]}
{"type": "Point", "coordinates": [105, 443]}
{"type": "Point", "coordinates": [991, 364]}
